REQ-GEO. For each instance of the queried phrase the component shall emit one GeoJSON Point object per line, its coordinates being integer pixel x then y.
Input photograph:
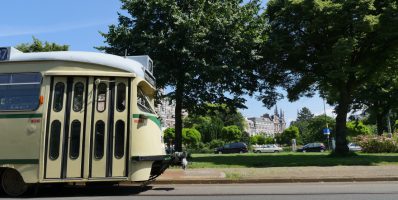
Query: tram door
{"type": "Point", "coordinates": [66, 124]}
{"type": "Point", "coordinates": [110, 128]}
{"type": "Point", "coordinates": [71, 127]}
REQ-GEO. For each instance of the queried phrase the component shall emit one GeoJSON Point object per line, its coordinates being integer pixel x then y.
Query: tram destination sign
{"type": "Point", "coordinates": [4, 53]}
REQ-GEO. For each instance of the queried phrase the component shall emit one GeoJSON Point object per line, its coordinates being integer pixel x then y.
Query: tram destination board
{"type": "Point", "coordinates": [4, 53]}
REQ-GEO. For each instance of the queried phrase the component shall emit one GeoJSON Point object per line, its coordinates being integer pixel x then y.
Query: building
{"type": "Point", "coordinates": [266, 124]}
{"type": "Point", "coordinates": [166, 111]}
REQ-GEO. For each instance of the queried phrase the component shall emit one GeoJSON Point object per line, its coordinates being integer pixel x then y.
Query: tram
{"type": "Point", "coordinates": [69, 117]}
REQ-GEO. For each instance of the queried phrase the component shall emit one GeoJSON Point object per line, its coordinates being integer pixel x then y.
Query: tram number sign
{"type": "Point", "coordinates": [4, 53]}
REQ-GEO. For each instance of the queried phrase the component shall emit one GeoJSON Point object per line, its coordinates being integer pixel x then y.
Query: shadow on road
{"type": "Point", "coordinates": [56, 191]}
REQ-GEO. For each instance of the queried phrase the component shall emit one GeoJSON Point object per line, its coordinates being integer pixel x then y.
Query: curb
{"type": "Point", "coordinates": [275, 180]}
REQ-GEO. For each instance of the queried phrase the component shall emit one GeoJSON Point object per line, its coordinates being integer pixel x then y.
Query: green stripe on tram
{"type": "Point", "coordinates": [19, 161]}
{"type": "Point", "coordinates": [15, 116]}
{"type": "Point", "coordinates": [150, 117]}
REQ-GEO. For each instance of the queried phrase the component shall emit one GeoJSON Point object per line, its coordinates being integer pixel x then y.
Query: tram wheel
{"type": "Point", "coordinates": [12, 183]}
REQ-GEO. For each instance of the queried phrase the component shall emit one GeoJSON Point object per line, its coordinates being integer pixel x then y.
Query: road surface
{"type": "Point", "coordinates": [293, 191]}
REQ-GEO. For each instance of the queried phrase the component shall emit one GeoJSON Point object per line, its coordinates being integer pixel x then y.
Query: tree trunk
{"type": "Point", "coordinates": [379, 123]}
{"type": "Point", "coordinates": [178, 117]}
{"type": "Point", "coordinates": [341, 120]}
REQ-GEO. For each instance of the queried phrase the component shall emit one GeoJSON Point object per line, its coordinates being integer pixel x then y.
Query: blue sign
{"type": "Point", "coordinates": [326, 131]}
{"type": "Point", "coordinates": [4, 53]}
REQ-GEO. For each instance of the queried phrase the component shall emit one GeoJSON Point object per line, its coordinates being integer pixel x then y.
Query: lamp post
{"type": "Point", "coordinates": [326, 131]}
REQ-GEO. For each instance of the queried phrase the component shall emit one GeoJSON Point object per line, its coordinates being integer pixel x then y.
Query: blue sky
{"type": "Point", "coordinates": [77, 23]}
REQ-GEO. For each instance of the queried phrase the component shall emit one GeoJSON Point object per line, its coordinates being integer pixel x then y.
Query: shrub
{"type": "Point", "coordinates": [377, 144]}
{"type": "Point", "coordinates": [216, 143]}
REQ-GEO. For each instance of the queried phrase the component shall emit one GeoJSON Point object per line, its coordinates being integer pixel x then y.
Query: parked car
{"type": "Point", "coordinates": [237, 147]}
{"type": "Point", "coordinates": [268, 148]}
{"type": "Point", "coordinates": [354, 147]}
{"type": "Point", "coordinates": [312, 147]}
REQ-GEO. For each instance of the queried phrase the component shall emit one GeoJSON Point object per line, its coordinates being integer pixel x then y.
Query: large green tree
{"type": "Point", "coordinates": [331, 46]}
{"type": "Point", "coordinates": [204, 49]}
{"type": "Point", "coordinates": [39, 46]}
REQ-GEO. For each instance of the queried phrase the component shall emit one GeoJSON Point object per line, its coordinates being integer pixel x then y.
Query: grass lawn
{"type": "Point", "coordinates": [288, 159]}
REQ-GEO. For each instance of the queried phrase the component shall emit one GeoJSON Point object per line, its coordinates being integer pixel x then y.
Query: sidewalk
{"type": "Point", "coordinates": [279, 175]}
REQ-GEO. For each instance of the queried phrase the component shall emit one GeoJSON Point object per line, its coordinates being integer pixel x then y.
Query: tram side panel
{"type": "Point", "coordinates": [146, 140]}
{"type": "Point", "coordinates": [20, 130]}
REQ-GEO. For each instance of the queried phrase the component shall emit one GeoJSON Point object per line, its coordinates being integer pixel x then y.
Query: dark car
{"type": "Point", "coordinates": [312, 147]}
{"type": "Point", "coordinates": [237, 147]}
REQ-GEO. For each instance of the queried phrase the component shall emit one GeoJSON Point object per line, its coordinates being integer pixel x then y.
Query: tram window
{"type": "Point", "coordinates": [101, 97]}
{"type": "Point", "coordinates": [19, 91]}
{"type": "Point", "coordinates": [74, 150]}
{"type": "Point", "coordinates": [143, 102]}
{"type": "Point", "coordinates": [55, 136]}
{"type": "Point", "coordinates": [119, 139]}
{"type": "Point", "coordinates": [121, 97]}
{"type": "Point", "coordinates": [99, 139]}
{"type": "Point", "coordinates": [59, 90]}
{"type": "Point", "coordinates": [78, 97]}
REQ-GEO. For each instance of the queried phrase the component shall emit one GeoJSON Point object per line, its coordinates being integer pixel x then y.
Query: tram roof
{"type": "Point", "coordinates": [117, 62]}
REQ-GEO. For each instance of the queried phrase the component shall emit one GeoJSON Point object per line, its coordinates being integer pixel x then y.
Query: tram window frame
{"type": "Point", "coordinates": [78, 97]}
{"type": "Point", "coordinates": [99, 140]}
{"type": "Point", "coordinates": [121, 97]}
{"type": "Point", "coordinates": [58, 104]}
{"type": "Point", "coordinates": [102, 101]}
{"type": "Point", "coordinates": [74, 150]}
{"type": "Point", "coordinates": [119, 139]}
{"type": "Point", "coordinates": [55, 139]}
{"type": "Point", "coordinates": [23, 91]}
{"type": "Point", "coordinates": [144, 104]}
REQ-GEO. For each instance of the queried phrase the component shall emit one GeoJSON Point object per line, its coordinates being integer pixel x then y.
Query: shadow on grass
{"type": "Point", "coordinates": [289, 160]}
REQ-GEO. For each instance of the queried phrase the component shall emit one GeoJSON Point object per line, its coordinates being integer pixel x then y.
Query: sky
{"type": "Point", "coordinates": [78, 22]}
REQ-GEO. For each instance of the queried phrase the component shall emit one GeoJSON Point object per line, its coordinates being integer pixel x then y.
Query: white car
{"type": "Point", "coordinates": [354, 147]}
{"type": "Point", "coordinates": [268, 148]}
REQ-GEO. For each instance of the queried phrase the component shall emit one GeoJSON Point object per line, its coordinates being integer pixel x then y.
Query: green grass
{"type": "Point", "coordinates": [289, 160]}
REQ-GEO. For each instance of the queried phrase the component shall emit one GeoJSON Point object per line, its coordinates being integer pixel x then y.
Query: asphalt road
{"type": "Point", "coordinates": [296, 191]}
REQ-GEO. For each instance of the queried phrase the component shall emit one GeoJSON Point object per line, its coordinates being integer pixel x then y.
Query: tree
{"type": "Point", "coordinates": [169, 135]}
{"type": "Point", "coordinates": [356, 128]}
{"type": "Point", "coordinates": [288, 134]}
{"type": "Point", "coordinates": [231, 133]}
{"type": "Point", "coordinates": [37, 46]}
{"type": "Point", "coordinates": [333, 47]}
{"type": "Point", "coordinates": [213, 119]}
{"type": "Point", "coordinates": [191, 137]}
{"type": "Point", "coordinates": [379, 95]}
{"type": "Point", "coordinates": [193, 43]}
{"type": "Point", "coordinates": [314, 129]}
{"type": "Point", "coordinates": [304, 114]}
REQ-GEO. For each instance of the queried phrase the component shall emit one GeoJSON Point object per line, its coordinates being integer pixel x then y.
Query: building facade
{"type": "Point", "coordinates": [166, 111]}
{"type": "Point", "coordinates": [267, 125]}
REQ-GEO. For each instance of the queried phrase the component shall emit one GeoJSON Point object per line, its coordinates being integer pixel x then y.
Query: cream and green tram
{"type": "Point", "coordinates": [77, 117]}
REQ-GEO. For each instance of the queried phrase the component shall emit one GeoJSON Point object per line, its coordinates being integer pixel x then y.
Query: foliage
{"type": "Point", "coordinates": [288, 134]}
{"type": "Point", "coordinates": [356, 128]}
{"type": "Point", "coordinates": [377, 144]}
{"type": "Point", "coordinates": [304, 115]}
{"type": "Point", "coordinates": [231, 133]}
{"type": "Point", "coordinates": [192, 43]}
{"type": "Point", "coordinates": [261, 139]}
{"type": "Point", "coordinates": [314, 130]}
{"type": "Point", "coordinates": [191, 137]}
{"type": "Point", "coordinates": [213, 120]}
{"type": "Point", "coordinates": [37, 46]}
{"type": "Point", "coordinates": [333, 47]}
{"type": "Point", "coordinates": [169, 135]}
{"type": "Point", "coordinates": [216, 143]}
